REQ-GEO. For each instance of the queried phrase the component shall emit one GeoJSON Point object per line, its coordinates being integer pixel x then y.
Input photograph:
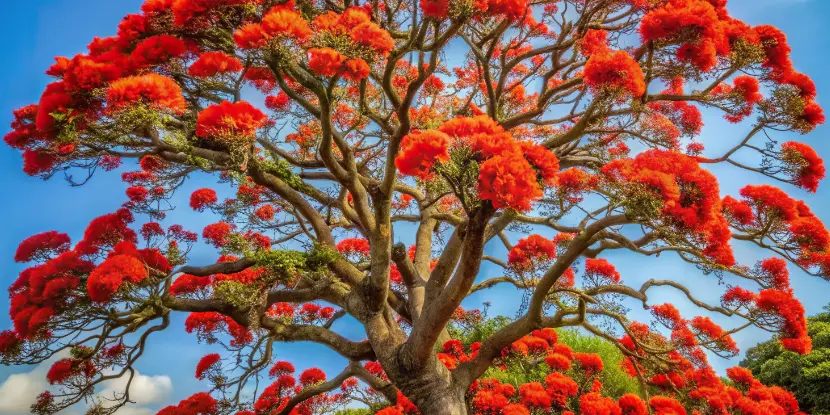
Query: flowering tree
{"type": "Point", "coordinates": [578, 117]}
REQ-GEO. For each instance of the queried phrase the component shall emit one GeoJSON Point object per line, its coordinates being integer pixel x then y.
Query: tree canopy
{"type": "Point", "coordinates": [807, 376]}
{"type": "Point", "coordinates": [368, 176]}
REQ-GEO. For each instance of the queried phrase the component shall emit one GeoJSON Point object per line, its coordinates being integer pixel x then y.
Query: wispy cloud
{"type": "Point", "coordinates": [19, 391]}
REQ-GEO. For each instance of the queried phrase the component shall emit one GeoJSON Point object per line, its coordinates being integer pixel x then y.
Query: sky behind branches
{"type": "Point", "coordinates": [35, 31]}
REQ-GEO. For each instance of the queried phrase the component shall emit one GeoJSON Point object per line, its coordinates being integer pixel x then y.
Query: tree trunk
{"type": "Point", "coordinates": [432, 392]}
{"type": "Point", "coordinates": [439, 401]}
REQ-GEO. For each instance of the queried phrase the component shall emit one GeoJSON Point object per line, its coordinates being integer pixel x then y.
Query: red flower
{"type": "Point", "coordinates": [325, 61]}
{"type": "Point", "coordinates": [156, 90]}
{"type": "Point", "coordinates": [230, 120]}
{"type": "Point", "coordinates": [534, 395]}
{"type": "Point", "coordinates": [282, 21]}
{"type": "Point", "coordinates": [807, 168]}
{"type": "Point", "coordinates": [436, 9]}
{"type": "Point", "coordinates": [157, 50]}
{"type": "Point", "coordinates": [199, 404]}
{"type": "Point", "coordinates": [420, 151]}
{"type": "Point", "coordinates": [279, 102]}
{"type": "Point", "coordinates": [558, 362]}
{"type": "Point", "coordinates": [42, 246]}
{"type": "Point", "coordinates": [354, 246]}
{"type": "Point", "coordinates": [542, 159]}
{"type": "Point", "coordinates": [617, 70]}
{"type": "Point", "coordinates": [707, 328]}
{"type": "Point", "coordinates": [594, 42]}
{"type": "Point", "coordinates": [370, 34]}
{"type": "Point", "coordinates": [9, 341]}
{"type": "Point", "coordinates": [60, 371]}
{"type": "Point", "coordinates": [265, 212]}
{"type": "Point", "coordinates": [529, 251]}
{"type": "Point", "coordinates": [212, 63]}
{"type": "Point", "coordinates": [356, 69]}
{"type": "Point", "coordinates": [37, 162]}
{"type": "Point", "coordinates": [217, 234]}
{"type": "Point", "coordinates": [203, 198]}
{"type": "Point", "coordinates": [631, 404]}
{"type": "Point", "coordinates": [108, 277]}
{"type": "Point", "coordinates": [250, 36]}
{"type": "Point", "coordinates": [312, 376]}
{"type": "Point", "coordinates": [280, 369]}
{"type": "Point", "coordinates": [190, 284]}
{"type": "Point", "coordinates": [560, 388]}
{"type": "Point", "coordinates": [791, 321]}
{"type": "Point", "coordinates": [663, 405]}
{"type": "Point", "coordinates": [137, 193]}
{"type": "Point", "coordinates": [508, 181]}
{"type": "Point", "coordinates": [595, 404]}
{"type": "Point", "coordinates": [601, 268]}
{"type": "Point", "coordinates": [205, 363]}
{"type": "Point", "coordinates": [511, 9]}
{"type": "Point", "coordinates": [591, 363]}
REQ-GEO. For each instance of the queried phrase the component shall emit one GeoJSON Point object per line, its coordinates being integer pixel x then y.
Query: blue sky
{"type": "Point", "coordinates": [37, 30]}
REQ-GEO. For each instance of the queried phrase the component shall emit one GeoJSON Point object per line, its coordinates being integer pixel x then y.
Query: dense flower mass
{"type": "Point", "coordinates": [616, 71]}
{"type": "Point", "coordinates": [202, 198]}
{"type": "Point", "coordinates": [472, 126]}
{"type": "Point", "coordinates": [42, 246]}
{"type": "Point", "coordinates": [807, 168]}
{"type": "Point", "coordinates": [422, 150]}
{"type": "Point", "coordinates": [531, 250]}
{"type": "Point", "coordinates": [689, 195]}
{"type": "Point", "coordinates": [158, 91]}
{"type": "Point", "coordinates": [230, 120]}
{"type": "Point", "coordinates": [212, 63]}
{"type": "Point", "coordinates": [108, 277]}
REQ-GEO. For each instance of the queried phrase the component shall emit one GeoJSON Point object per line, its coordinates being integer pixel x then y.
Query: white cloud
{"type": "Point", "coordinates": [144, 390]}
{"type": "Point", "coordinates": [19, 391]}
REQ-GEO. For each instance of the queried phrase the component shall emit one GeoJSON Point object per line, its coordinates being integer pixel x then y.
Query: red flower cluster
{"type": "Point", "coordinates": [436, 9]}
{"type": "Point", "coordinates": [217, 234]}
{"type": "Point", "coordinates": [207, 324]}
{"type": "Point", "coordinates": [704, 28]}
{"type": "Point", "coordinates": [600, 269]}
{"type": "Point", "coordinates": [199, 404]}
{"type": "Point", "coordinates": [280, 22]}
{"type": "Point", "coordinates": [508, 168]}
{"type": "Point", "coordinates": [790, 318]}
{"type": "Point", "coordinates": [190, 284]}
{"type": "Point", "coordinates": [312, 376]}
{"type": "Point", "coordinates": [212, 63]}
{"type": "Point", "coordinates": [420, 151]}
{"type": "Point", "coordinates": [706, 328]}
{"type": "Point", "coordinates": [805, 166]}
{"type": "Point", "coordinates": [690, 195]}
{"type": "Point", "coordinates": [156, 50]}
{"type": "Point", "coordinates": [108, 277]}
{"type": "Point", "coordinates": [158, 91]}
{"type": "Point", "coordinates": [529, 252]}
{"type": "Point", "coordinates": [595, 41]}
{"type": "Point", "coordinates": [64, 369]}
{"type": "Point", "coordinates": [42, 246]}
{"type": "Point", "coordinates": [203, 198]}
{"type": "Point", "coordinates": [206, 363]}
{"type": "Point", "coordinates": [615, 71]}
{"type": "Point", "coordinates": [357, 247]}
{"type": "Point", "coordinates": [508, 181]}
{"type": "Point", "coordinates": [329, 62]}
{"type": "Point", "coordinates": [230, 120]}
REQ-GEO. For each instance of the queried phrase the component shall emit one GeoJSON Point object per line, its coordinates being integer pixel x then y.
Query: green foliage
{"type": "Point", "coordinates": [283, 262]}
{"type": "Point", "coordinates": [808, 377]}
{"type": "Point", "coordinates": [236, 293]}
{"type": "Point", "coordinates": [354, 411]}
{"type": "Point", "coordinates": [614, 380]}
